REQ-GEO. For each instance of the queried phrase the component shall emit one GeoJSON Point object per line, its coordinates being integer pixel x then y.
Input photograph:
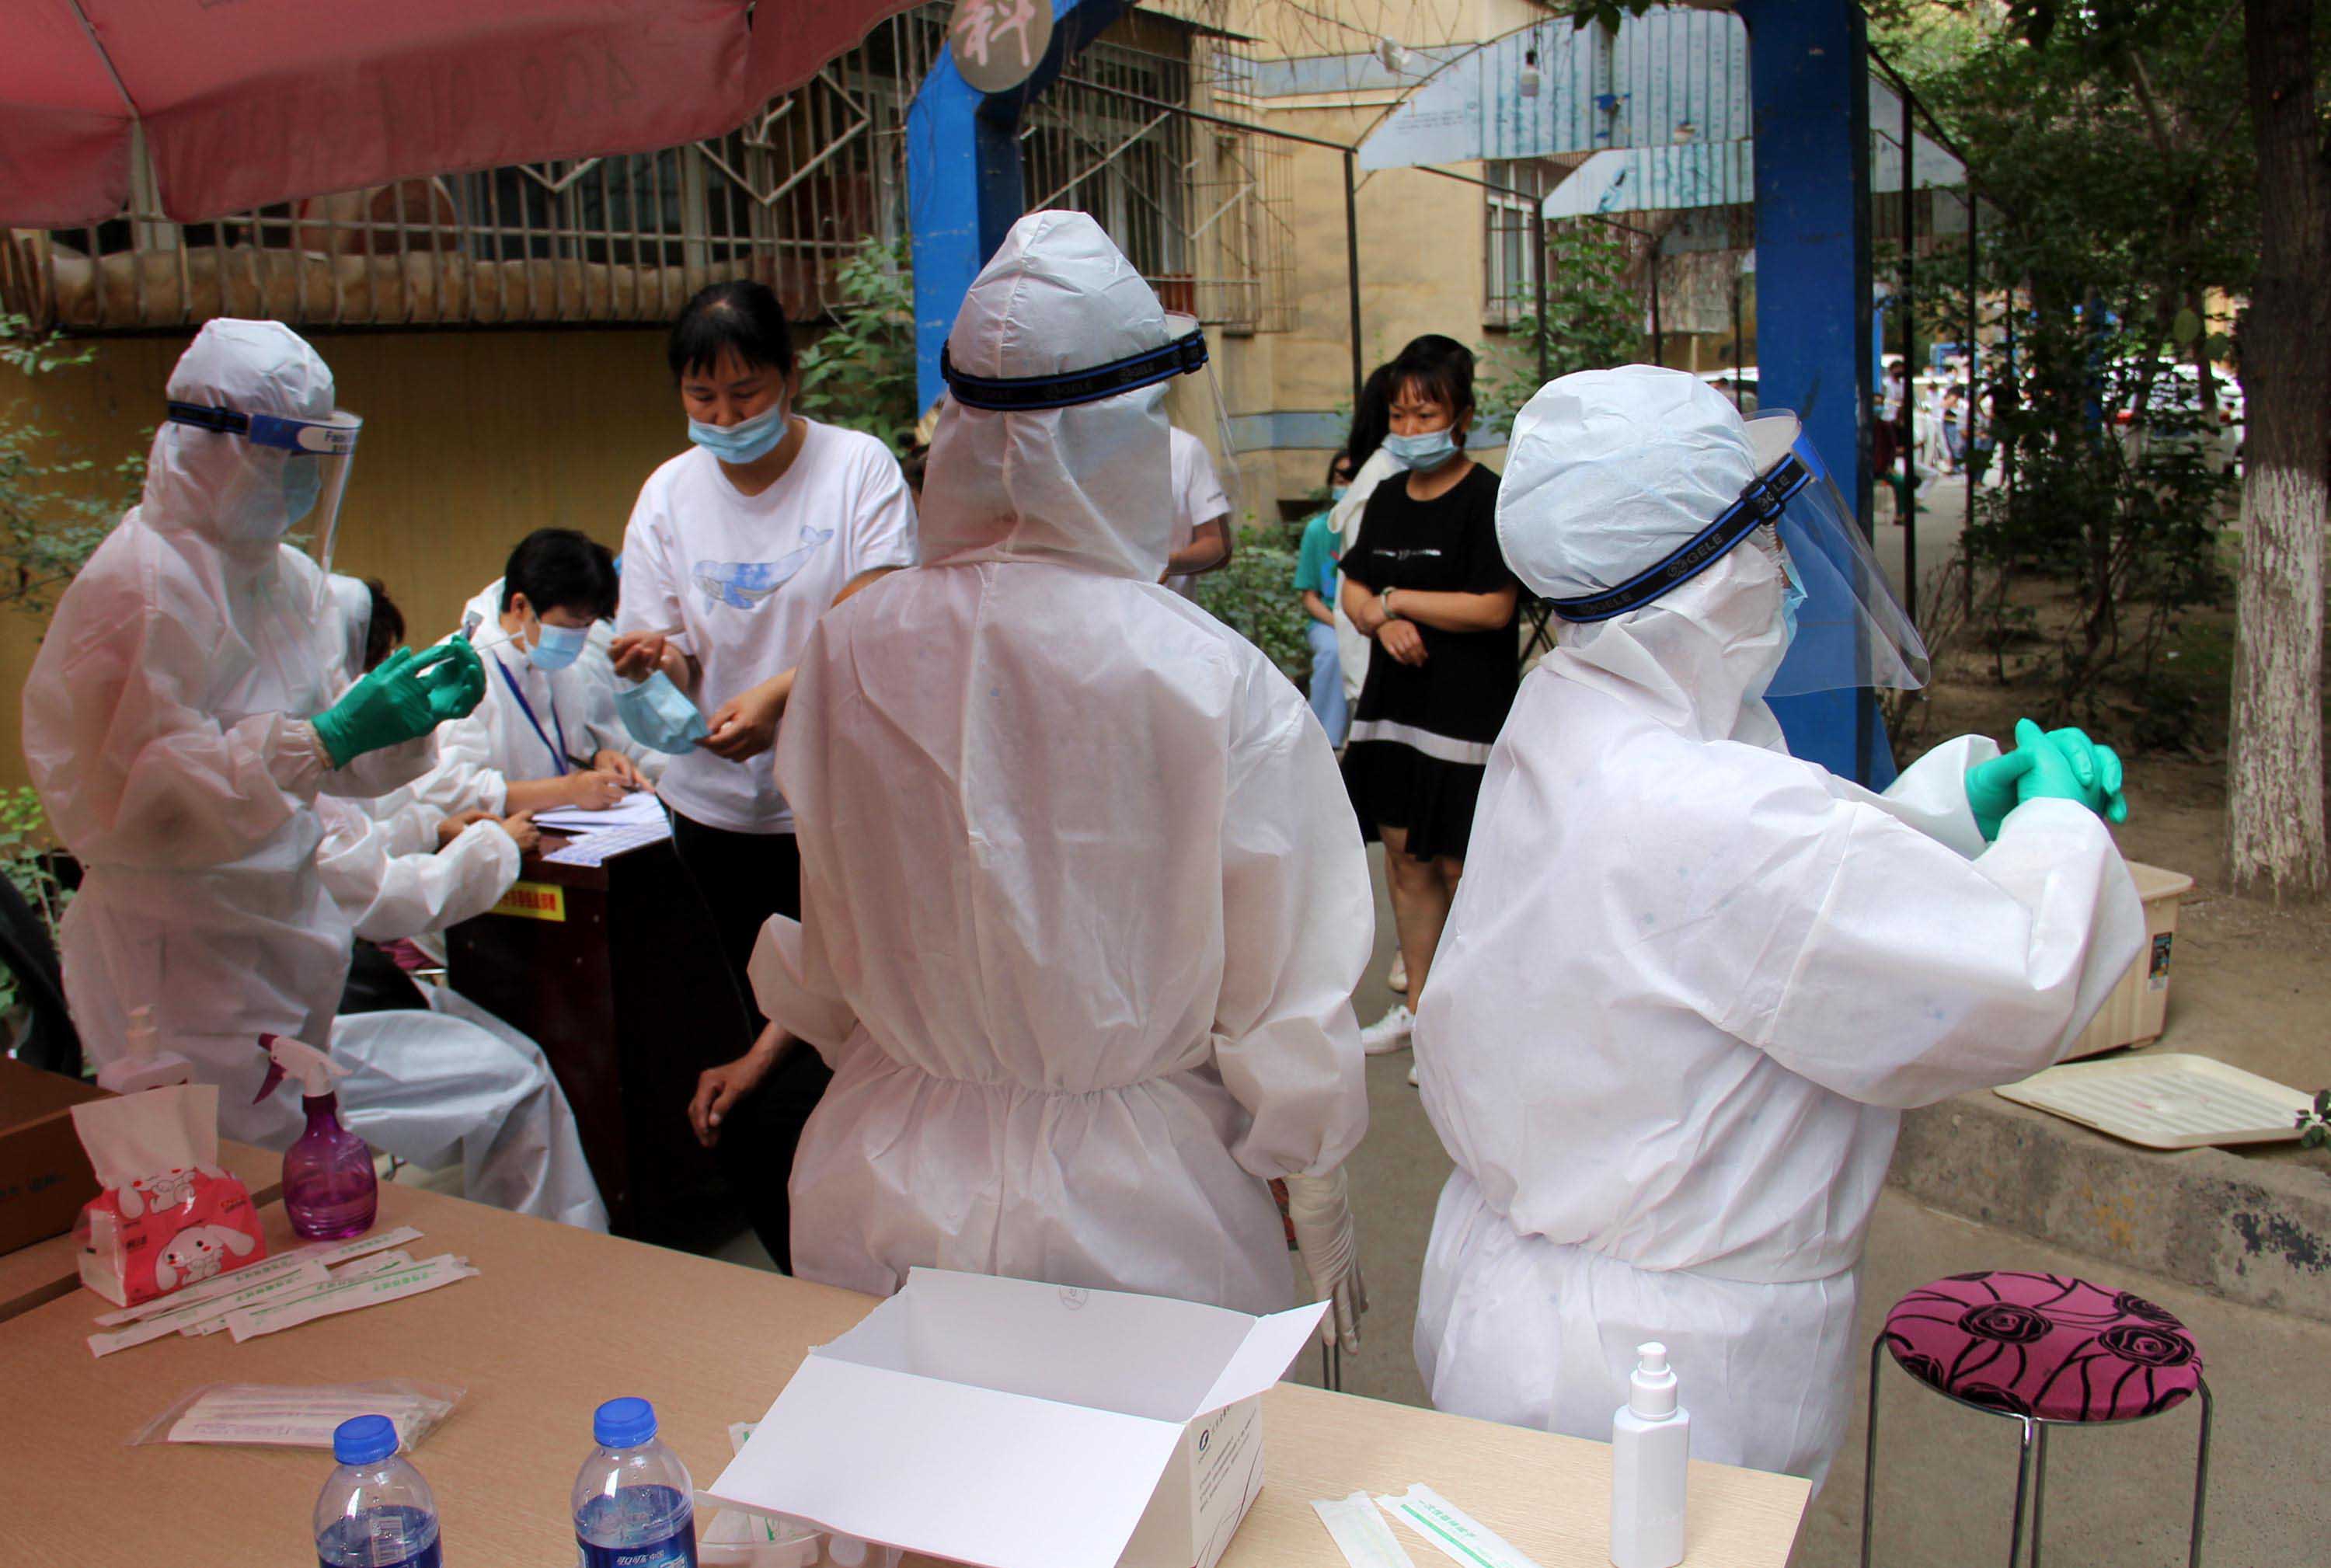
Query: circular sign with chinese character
{"type": "Point", "coordinates": [997, 44]}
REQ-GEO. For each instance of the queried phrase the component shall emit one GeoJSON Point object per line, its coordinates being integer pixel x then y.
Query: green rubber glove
{"type": "Point", "coordinates": [387, 706]}
{"type": "Point", "coordinates": [1990, 790]}
{"type": "Point", "coordinates": [455, 678]}
{"type": "Point", "coordinates": [2056, 764]}
{"type": "Point", "coordinates": [2070, 766]}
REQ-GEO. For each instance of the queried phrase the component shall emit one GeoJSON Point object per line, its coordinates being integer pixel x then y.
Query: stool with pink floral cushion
{"type": "Point", "coordinates": [2043, 1350]}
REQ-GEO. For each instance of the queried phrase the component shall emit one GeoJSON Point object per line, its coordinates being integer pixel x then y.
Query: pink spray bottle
{"type": "Point", "coordinates": [329, 1188]}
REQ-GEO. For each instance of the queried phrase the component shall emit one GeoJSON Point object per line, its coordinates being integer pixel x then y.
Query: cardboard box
{"type": "Point", "coordinates": [44, 1176]}
{"type": "Point", "coordinates": [2138, 1007]}
{"type": "Point", "coordinates": [1014, 1424]}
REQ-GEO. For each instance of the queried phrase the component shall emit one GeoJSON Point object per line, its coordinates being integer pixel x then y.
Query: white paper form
{"type": "Point", "coordinates": [640, 808]}
{"type": "Point", "coordinates": [600, 845]}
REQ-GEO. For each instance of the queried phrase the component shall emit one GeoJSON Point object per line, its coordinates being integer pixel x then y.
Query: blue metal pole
{"type": "Point", "coordinates": [1809, 75]}
{"type": "Point", "coordinates": [963, 190]}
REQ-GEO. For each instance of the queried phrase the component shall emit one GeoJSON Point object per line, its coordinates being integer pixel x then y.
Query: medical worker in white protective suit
{"type": "Point", "coordinates": [1082, 901]}
{"type": "Point", "coordinates": [1690, 981]}
{"type": "Point", "coordinates": [449, 1083]}
{"type": "Point", "coordinates": [181, 721]}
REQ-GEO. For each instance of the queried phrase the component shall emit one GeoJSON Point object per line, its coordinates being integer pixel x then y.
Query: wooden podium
{"type": "Point", "coordinates": [616, 971]}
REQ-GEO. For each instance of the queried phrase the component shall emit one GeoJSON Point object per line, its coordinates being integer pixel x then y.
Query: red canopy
{"type": "Point", "coordinates": [249, 102]}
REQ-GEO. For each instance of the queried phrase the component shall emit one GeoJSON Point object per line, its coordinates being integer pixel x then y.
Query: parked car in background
{"type": "Point", "coordinates": [2172, 419]}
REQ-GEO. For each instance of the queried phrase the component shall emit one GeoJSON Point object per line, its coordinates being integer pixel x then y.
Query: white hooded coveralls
{"type": "Point", "coordinates": [165, 728]}
{"type": "Point", "coordinates": [1082, 900]}
{"type": "Point", "coordinates": [453, 1082]}
{"type": "Point", "coordinates": [1689, 981]}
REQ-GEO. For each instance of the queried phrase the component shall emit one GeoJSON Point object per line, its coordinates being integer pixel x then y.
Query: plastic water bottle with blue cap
{"type": "Point", "coordinates": [376, 1511]}
{"type": "Point", "coordinates": [634, 1505]}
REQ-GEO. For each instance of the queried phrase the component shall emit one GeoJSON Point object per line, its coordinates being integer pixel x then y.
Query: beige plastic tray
{"type": "Point", "coordinates": [2173, 1101]}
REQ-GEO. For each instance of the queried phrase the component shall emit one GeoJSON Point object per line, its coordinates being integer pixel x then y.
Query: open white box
{"type": "Point", "coordinates": [1020, 1425]}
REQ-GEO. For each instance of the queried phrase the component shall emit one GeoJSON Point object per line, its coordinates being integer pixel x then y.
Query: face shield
{"type": "Point", "coordinates": [305, 462]}
{"type": "Point", "coordinates": [1850, 630]}
{"type": "Point", "coordinates": [1194, 406]}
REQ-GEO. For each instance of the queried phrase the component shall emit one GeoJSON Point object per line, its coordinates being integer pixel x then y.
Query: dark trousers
{"type": "Point", "coordinates": [745, 878]}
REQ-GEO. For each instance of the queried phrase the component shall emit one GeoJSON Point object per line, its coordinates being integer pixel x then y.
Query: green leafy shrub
{"type": "Point", "coordinates": [861, 373]}
{"type": "Point", "coordinates": [1255, 596]}
{"type": "Point", "coordinates": [51, 516]}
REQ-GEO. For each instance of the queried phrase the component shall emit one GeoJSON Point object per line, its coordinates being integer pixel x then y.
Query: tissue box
{"type": "Point", "coordinates": [168, 1215]}
{"type": "Point", "coordinates": [1014, 1424]}
{"type": "Point", "coordinates": [45, 1177]}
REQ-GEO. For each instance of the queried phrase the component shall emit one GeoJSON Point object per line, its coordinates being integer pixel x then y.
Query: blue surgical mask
{"type": "Point", "coordinates": [743, 442]}
{"type": "Point", "coordinates": [1423, 454]}
{"type": "Point", "coordinates": [659, 716]}
{"type": "Point", "coordinates": [1337, 492]}
{"type": "Point", "coordinates": [304, 485]}
{"type": "Point", "coordinates": [555, 647]}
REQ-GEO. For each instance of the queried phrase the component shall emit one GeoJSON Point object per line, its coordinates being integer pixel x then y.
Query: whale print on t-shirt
{"type": "Point", "coordinates": [747, 584]}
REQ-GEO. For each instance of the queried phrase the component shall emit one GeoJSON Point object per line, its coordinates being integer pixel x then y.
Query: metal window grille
{"type": "Point", "coordinates": [1508, 268]}
{"type": "Point", "coordinates": [1199, 209]}
{"type": "Point", "coordinates": [784, 198]}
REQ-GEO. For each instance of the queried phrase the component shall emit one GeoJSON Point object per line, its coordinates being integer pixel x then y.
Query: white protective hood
{"type": "Point", "coordinates": [1689, 981]}
{"type": "Point", "coordinates": [1606, 473]}
{"type": "Point", "coordinates": [224, 487]}
{"type": "Point", "coordinates": [1088, 485]}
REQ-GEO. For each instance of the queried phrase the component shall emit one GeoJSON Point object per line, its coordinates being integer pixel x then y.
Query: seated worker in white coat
{"type": "Point", "coordinates": [546, 734]}
{"type": "Point", "coordinates": [451, 1081]}
{"type": "Point", "coordinates": [1690, 983]}
{"type": "Point", "coordinates": [180, 723]}
{"type": "Point", "coordinates": [1082, 900]}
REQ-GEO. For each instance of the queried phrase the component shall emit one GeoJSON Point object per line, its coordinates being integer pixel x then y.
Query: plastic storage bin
{"type": "Point", "coordinates": [2137, 1006]}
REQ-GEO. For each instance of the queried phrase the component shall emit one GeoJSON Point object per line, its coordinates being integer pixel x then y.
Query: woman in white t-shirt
{"type": "Point", "coordinates": [736, 546]}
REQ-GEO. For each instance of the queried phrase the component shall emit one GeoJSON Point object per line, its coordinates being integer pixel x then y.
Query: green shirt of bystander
{"type": "Point", "coordinates": [1315, 565]}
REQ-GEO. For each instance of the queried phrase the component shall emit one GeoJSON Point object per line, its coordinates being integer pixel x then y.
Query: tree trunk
{"type": "Point", "coordinates": [2275, 774]}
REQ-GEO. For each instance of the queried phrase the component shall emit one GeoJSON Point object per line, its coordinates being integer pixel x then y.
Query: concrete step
{"type": "Point", "coordinates": [2250, 1228]}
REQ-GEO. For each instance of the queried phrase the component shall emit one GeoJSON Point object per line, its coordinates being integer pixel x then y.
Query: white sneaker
{"type": "Point", "coordinates": [1396, 977]}
{"type": "Point", "coordinates": [1413, 1081]}
{"type": "Point", "coordinates": [1388, 1034]}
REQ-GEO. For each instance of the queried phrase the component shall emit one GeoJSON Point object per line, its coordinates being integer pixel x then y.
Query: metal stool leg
{"type": "Point", "coordinates": [2023, 1489]}
{"type": "Point", "coordinates": [1869, 1451]}
{"type": "Point", "coordinates": [2039, 1494]}
{"type": "Point", "coordinates": [2201, 1481]}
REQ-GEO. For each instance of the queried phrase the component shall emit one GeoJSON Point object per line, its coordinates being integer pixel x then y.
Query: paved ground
{"type": "Point", "coordinates": [1940, 518]}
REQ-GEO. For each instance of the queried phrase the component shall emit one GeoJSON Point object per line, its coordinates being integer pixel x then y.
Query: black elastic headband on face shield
{"type": "Point", "coordinates": [1766, 497]}
{"type": "Point", "coordinates": [1035, 393]}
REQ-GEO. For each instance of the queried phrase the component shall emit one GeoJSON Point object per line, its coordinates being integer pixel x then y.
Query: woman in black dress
{"type": "Point", "coordinates": [1426, 581]}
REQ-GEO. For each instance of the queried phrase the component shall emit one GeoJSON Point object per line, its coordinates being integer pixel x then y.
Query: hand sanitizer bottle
{"type": "Point", "coordinates": [329, 1187]}
{"type": "Point", "coordinates": [1651, 1442]}
{"type": "Point", "coordinates": [145, 1066]}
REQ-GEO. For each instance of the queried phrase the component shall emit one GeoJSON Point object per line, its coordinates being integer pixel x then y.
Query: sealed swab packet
{"type": "Point", "coordinates": [348, 1294]}
{"type": "Point", "coordinates": [288, 1276]}
{"type": "Point", "coordinates": [298, 1415]}
{"type": "Point", "coordinates": [1453, 1532]}
{"type": "Point", "coordinates": [1361, 1533]}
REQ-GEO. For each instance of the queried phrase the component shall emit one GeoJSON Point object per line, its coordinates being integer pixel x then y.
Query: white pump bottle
{"type": "Point", "coordinates": [1650, 1444]}
{"type": "Point", "coordinates": [146, 1065]}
